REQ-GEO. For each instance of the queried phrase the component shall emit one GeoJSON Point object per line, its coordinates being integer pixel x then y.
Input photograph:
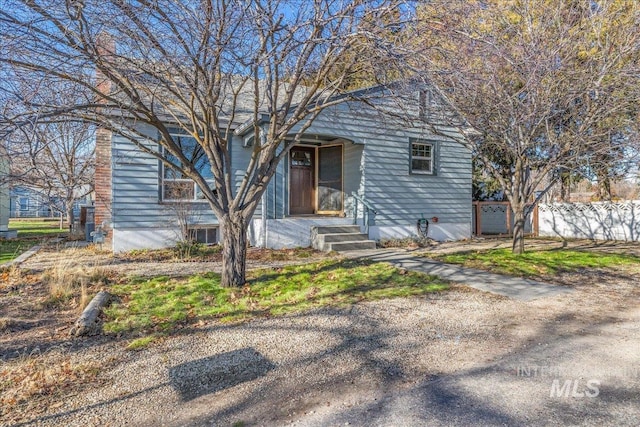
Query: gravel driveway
{"type": "Point", "coordinates": [461, 357]}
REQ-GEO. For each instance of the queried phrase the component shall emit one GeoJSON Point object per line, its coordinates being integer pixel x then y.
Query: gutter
{"type": "Point", "coordinates": [249, 124]}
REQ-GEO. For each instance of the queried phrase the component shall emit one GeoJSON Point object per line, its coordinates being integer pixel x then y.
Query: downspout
{"type": "Point", "coordinates": [264, 220]}
{"type": "Point", "coordinates": [261, 138]}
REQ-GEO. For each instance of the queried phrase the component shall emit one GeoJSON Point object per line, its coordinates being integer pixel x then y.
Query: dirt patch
{"type": "Point", "coordinates": [32, 320]}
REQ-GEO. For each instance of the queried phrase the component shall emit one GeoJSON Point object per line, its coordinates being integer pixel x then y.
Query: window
{"type": "Point", "coordinates": [422, 154]}
{"type": "Point", "coordinates": [175, 185]}
{"type": "Point", "coordinates": [23, 202]}
{"type": "Point", "coordinates": [208, 236]}
{"type": "Point", "coordinates": [301, 158]}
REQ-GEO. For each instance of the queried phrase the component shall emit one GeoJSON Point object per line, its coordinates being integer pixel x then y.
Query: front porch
{"type": "Point", "coordinates": [292, 232]}
{"type": "Point", "coordinates": [318, 177]}
{"type": "Point", "coordinates": [312, 187]}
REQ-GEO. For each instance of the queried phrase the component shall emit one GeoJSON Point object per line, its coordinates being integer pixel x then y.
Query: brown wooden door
{"type": "Point", "coordinates": [302, 171]}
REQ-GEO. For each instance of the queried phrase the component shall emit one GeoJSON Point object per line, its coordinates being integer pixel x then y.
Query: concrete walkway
{"type": "Point", "coordinates": [21, 258]}
{"type": "Point", "coordinates": [512, 287]}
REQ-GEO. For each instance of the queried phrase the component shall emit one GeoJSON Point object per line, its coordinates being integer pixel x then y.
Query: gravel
{"type": "Point", "coordinates": [453, 358]}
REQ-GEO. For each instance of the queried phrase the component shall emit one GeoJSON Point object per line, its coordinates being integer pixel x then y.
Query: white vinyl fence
{"type": "Point", "coordinates": [597, 220]}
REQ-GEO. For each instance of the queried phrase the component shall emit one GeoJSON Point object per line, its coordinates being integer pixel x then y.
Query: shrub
{"type": "Point", "coordinates": [411, 242]}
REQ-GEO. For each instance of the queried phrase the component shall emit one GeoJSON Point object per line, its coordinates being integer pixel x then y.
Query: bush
{"type": "Point", "coordinates": [411, 242]}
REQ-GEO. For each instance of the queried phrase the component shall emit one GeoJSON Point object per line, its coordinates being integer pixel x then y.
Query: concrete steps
{"type": "Point", "coordinates": [340, 238]}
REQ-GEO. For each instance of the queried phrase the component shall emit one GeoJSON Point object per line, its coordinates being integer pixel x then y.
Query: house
{"type": "Point", "coordinates": [26, 202]}
{"type": "Point", "coordinates": [4, 197]}
{"type": "Point", "coordinates": [355, 164]}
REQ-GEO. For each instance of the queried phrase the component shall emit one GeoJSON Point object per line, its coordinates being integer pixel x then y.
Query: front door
{"type": "Point", "coordinates": [302, 181]}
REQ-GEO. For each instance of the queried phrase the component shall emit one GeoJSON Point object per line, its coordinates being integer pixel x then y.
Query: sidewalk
{"type": "Point", "coordinates": [512, 287]}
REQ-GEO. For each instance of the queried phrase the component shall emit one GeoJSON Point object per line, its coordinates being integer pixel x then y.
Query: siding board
{"type": "Point", "coordinates": [376, 165]}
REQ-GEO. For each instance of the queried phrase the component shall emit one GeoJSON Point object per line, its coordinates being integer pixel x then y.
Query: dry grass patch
{"type": "Point", "coordinates": [68, 282]}
{"type": "Point", "coordinates": [202, 253]}
{"type": "Point", "coordinates": [10, 277]}
{"type": "Point", "coordinates": [29, 378]}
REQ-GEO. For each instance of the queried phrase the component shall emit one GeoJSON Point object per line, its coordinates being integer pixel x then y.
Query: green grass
{"type": "Point", "coordinates": [30, 233]}
{"type": "Point", "coordinates": [162, 303]}
{"type": "Point", "coordinates": [37, 228]}
{"type": "Point", "coordinates": [141, 343]}
{"type": "Point", "coordinates": [10, 249]}
{"type": "Point", "coordinates": [537, 263]}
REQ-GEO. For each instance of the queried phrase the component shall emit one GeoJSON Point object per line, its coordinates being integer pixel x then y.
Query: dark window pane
{"type": "Point", "coordinates": [178, 190]}
{"type": "Point", "coordinates": [194, 153]}
{"type": "Point", "coordinates": [206, 236]}
{"type": "Point", "coordinates": [421, 150]}
{"type": "Point", "coordinates": [300, 158]}
{"type": "Point", "coordinates": [421, 165]}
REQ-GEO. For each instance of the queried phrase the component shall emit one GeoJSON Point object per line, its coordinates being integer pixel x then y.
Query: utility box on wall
{"type": "Point", "coordinates": [87, 219]}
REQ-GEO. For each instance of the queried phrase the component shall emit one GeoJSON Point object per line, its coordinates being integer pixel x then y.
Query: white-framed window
{"type": "Point", "coordinates": [23, 203]}
{"type": "Point", "coordinates": [204, 234]}
{"type": "Point", "coordinates": [422, 157]}
{"type": "Point", "coordinates": [175, 185]}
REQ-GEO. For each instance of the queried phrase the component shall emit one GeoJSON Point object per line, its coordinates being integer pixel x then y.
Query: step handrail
{"type": "Point", "coordinates": [368, 208]}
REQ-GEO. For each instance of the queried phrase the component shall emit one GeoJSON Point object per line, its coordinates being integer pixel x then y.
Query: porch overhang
{"type": "Point", "coordinates": [248, 125]}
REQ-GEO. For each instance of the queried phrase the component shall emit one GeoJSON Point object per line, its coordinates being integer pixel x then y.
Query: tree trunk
{"type": "Point", "coordinates": [70, 214]}
{"type": "Point", "coordinates": [518, 229]}
{"type": "Point", "coordinates": [234, 250]}
{"type": "Point", "coordinates": [604, 187]}
{"type": "Point", "coordinates": [565, 187]}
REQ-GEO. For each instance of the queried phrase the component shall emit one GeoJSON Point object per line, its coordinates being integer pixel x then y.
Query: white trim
{"type": "Point", "coordinates": [163, 178]}
{"type": "Point", "coordinates": [144, 238]}
{"type": "Point", "coordinates": [442, 232]}
{"type": "Point", "coordinates": [431, 158]}
{"type": "Point", "coordinates": [338, 142]}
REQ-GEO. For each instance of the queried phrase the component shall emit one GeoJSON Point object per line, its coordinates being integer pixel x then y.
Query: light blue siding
{"type": "Point", "coordinates": [240, 158]}
{"type": "Point", "coordinates": [377, 165]}
{"type": "Point", "coordinates": [376, 158]}
{"type": "Point", "coordinates": [352, 178]}
{"type": "Point", "coordinates": [277, 194]}
{"type": "Point", "coordinates": [136, 190]}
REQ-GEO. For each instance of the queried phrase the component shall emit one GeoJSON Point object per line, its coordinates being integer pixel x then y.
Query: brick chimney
{"type": "Point", "coordinates": [103, 172]}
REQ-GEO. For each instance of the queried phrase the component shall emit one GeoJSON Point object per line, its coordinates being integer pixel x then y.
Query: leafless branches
{"type": "Point", "coordinates": [544, 85]}
{"type": "Point", "coordinates": [204, 67]}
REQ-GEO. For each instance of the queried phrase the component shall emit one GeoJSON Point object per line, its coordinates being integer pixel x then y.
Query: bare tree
{"type": "Point", "coordinates": [54, 159]}
{"type": "Point", "coordinates": [203, 67]}
{"type": "Point", "coordinates": [536, 80]}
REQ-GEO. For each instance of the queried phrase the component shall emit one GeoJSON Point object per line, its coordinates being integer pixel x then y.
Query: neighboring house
{"type": "Point", "coordinates": [404, 173]}
{"type": "Point", "coordinates": [4, 196]}
{"type": "Point", "coordinates": [27, 202]}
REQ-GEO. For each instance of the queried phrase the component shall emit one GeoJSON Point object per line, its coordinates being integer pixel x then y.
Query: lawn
{"type": "Point", "coordinates": [37, 228]}
{"type": "Point", "coordinates": [537, 263]}
{"type": "Point", "coordinates": [161, 303]}
{"type": "Point", "coordinates": [30, 233]}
